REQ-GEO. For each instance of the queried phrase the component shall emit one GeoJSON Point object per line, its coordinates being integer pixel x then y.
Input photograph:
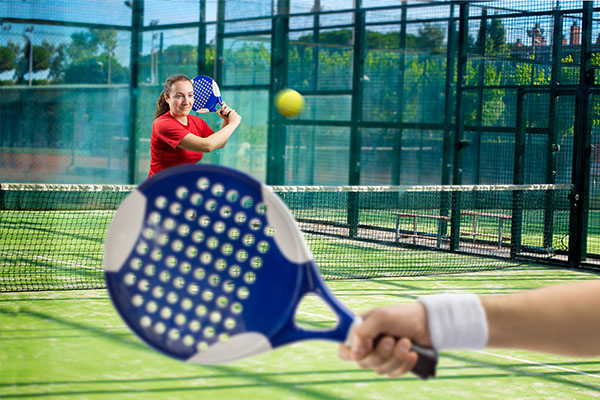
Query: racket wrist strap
{"type": "Point", "coordinates": [456, 321]}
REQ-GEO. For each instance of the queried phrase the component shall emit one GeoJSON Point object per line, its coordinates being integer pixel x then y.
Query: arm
{"type": "Point", "coordinates": [562, 319]}
{"type": "Point", "coordinates": [231, 120]}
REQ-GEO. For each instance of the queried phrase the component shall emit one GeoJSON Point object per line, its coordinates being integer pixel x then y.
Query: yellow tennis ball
{"type": "Point", "coordinates": [289, 103]}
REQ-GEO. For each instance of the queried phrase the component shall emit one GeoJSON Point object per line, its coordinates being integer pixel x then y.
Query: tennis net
{"type": "Point", "coordinates": [51, 236]}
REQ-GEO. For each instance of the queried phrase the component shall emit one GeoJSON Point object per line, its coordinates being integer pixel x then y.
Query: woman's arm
{"type": "Point", "coordinates": [231, 120]}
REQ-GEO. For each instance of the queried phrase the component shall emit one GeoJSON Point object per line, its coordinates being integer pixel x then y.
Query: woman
{"type": "Point", "coordinates": [180, 138]}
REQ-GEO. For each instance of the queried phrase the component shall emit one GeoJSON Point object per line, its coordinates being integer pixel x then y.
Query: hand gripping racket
{"type": "Point", "coordinates": [207, 265]}
{"type": "Point", "coordinates": [206, 94]}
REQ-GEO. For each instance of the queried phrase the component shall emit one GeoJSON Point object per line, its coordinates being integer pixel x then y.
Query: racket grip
{"type": "Point", "coordinates": [426, 362]}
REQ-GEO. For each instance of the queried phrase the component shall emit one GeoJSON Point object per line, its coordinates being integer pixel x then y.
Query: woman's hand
{"type": "Point", "coordinates": [229, 115]}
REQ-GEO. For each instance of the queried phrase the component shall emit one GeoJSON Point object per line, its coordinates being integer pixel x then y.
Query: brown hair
{"type": "Point", "coordinates": [161, 105]}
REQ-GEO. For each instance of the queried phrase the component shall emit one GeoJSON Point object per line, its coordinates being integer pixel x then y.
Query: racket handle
{"type": "Point", "coordinates": [426, 362]}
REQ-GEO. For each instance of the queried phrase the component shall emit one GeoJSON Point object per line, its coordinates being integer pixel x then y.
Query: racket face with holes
{"type": "Point", "coordinates": [206, 94]}
{"type": "Point", "coordinates": [207, 265]}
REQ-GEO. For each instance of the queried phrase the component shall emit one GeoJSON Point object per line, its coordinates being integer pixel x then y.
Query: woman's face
{"type": "Point", "coordinates": [181, 98]}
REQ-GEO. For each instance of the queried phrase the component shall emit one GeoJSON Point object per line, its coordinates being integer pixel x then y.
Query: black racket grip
{"type": "Point", "coordinates": [426, 362]}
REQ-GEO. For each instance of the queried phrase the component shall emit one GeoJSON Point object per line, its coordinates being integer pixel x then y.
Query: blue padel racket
{"type": "Point", "coordinates": [207, 265]}
{"type": "Point", "coordinates": [206, 94]}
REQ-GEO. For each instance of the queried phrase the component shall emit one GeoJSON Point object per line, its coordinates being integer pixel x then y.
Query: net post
{"type": "Point", "coordinates": [519, 176]}
{"type": "Point", "coordinates": [353, 213]}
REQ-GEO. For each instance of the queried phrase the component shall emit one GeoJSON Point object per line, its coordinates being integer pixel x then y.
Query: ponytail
{"type": "Point", "coordinates": [161, 104]}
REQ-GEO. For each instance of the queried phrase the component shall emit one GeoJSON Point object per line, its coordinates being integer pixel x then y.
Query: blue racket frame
{"type": "Point", "coordinates": [207, 95]}
{"type": "Point", "coordinates": [206, 264]}
{"type": "Point", "coordinates": [279, 286]}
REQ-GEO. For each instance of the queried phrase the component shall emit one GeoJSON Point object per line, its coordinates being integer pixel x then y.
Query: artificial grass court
{"type": "Point", "coordinates": [73, 345]}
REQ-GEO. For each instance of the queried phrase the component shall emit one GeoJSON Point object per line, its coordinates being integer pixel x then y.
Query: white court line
{"type": "Point", "coordinates": [489, 353]}
{"type": "Point", "coordinates": [537, 363]}
{"type": "Point", "coordinates": [18, 253]}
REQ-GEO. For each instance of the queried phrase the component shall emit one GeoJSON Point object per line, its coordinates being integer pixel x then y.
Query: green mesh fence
{"type": "Point", "coordinates": [396, 93]}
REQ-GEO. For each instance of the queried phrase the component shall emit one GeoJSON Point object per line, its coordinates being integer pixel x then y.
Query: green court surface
{"type": "Point", "coordinates": [73, 345]}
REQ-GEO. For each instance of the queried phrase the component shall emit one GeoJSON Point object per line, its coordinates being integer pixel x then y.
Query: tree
{"type": "Point", "coordinates": [7, 58]}
{"type": "Point", "coordinates": [431, 38]}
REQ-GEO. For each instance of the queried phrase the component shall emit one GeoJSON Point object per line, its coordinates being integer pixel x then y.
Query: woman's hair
{"type": "Point", "coordinates": [161, 105]}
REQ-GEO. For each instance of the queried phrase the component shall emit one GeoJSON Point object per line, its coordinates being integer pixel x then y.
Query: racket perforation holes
{"type": "Point", "coordinates": [206, 258]}
{"type": "Point", "coordinates": [220, 264]}
{"type": "Point", "coordinates": [211, 205]}
{"type": "Point", "coordinates": [182, 193]}
{"type": "Point", "coordinates": [169, 224]}
{"type": "Point", "coordinates": [177, 245]}
{"type": "Point", "coordinates": [217, 189]}
{"type": "Point", "coordinates": [156, 255]}
{"type": "Point", "coordinates": [183, 230]}
{"type": "Point", "coordinates": [175, 208]}
{"type": "Point", "coordinates": [219, 227]}
{"type": "Point", "coordinates": [150, 270]}
{"type": "Point", "coordinates": [165, 313]}
{"type": "Point", "coordinates": [204, 221]}
{"type": "Point", "coordinates": [227, 249]}
{"type": "Point", "coordinates": [232, 195]}
{"type": "Point", "coordinates": [225, 212]}
{"type": "Point", "coordinates": [203, 184]}
{"type": "Point", "coordinates": [233, 233]}
{"type": "Point", "coordinates": [145, 321]}
{"type": "Point", "coordinates": [142, 248]}
{"type": "Point", "coordinates": [201, 310]}
{"type": "Point", "coordinates": [160, 328]}
{"type": "Point", "coordinates": [178, 283]}
{"type": "Point", "coordinates": [137, 300]}
{"type": "Point", "coordinates": [263, 246]}
{"type": "Point", "coordinates": [256, 262]}
{"type": "Point", "coordinates": [148, 233]}
{"type": "Point", "coordinates": [158, 292]}
{"type": "Point", "coordinates": [130, 279]}
{"type": "Point", "coordinates": [207, 295]}
{"type": "Point", "coordinates": [135, 264]}
{"type": "Point", "coordinates": [161, 202]}
{"type": "Point", "coordinates": [249, 277]}
{"type": "Point", "coordinates": [190, 214]}
{"type": "Point", "coordinates": [199, 273]}
{"type": "Point", "coordinates": [193, 289]}
{"type": "Point", "coordinates": [241, 255]}
{"type": "Point", "coordinates": [240, 217]}
{"type": "Point", "coordinates": [247, 202]}
{"type": "Point", "coordinates": [151, 306]}
{"type": "Point", "coordinates": [196, 199]}
{"type": "Point", "coordinates": [255, 224]}
{"type": "Point", "coordinates": [171, 261]}
{"type": "Point", "coordinates": [185, 267]}
{"type": "Point", "coordinates": [197, 236]}
{"type": "Point", "coordinates": [243, 293]}
{"type": "Point", "coordinates": [191, 251]}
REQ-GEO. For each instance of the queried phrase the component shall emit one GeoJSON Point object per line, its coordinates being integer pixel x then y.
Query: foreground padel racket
{"type": "Point", "coordinates": [206, 94]}
{"type": "Point", "coordinates": [207, 265]}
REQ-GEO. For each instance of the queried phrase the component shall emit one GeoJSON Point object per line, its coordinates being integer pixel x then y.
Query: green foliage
{"type": "Point", "coordinates": [7, 58]}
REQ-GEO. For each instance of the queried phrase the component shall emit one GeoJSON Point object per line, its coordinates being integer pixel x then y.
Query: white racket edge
{"type": "Point", "coordinates": [216, 90]}
{"type": "Point", "coordinates": [124, 231]}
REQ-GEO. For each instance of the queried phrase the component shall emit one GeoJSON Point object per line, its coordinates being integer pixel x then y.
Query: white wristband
{"type": "Point", "coordinates": [456, 321]}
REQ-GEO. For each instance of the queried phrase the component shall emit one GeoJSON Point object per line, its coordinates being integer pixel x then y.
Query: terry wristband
{"type": "Point", "coordinates": [456, 321]}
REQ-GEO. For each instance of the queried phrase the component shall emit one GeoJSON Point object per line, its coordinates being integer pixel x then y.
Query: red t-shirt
{"type": "Point", "coordinates": [167, 133]}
